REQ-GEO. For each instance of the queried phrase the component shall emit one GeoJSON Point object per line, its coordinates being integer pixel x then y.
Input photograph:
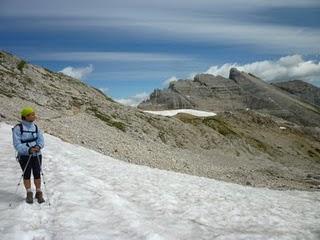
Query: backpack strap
{"type": "Point", "coordinates": [20, 127]}
{"type": "Point", "coordinates": [22, 131]}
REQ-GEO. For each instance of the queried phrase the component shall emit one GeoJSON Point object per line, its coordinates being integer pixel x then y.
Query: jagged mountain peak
{"type": "Point", "coordinates": [211, 80]}
{"type": "Point", "coordinates": [244, 78]}
{"type": "Point", "coordinates": [240, 91]}
{"type": "Point", "coordinates": [234, 72]}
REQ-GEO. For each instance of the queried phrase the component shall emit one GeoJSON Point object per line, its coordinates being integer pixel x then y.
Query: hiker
{"type": "Point", "coordinates": [28, 141]}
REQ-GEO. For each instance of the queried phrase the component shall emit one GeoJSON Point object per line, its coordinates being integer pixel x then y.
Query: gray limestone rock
{"type": "Point", "coordinates": [238, 92]}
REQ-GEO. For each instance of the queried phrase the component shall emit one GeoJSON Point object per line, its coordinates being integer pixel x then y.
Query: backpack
{"type": "Point", "coordinates": [28, 140]}
{"type": "Point", "coordinates": [22, 131]}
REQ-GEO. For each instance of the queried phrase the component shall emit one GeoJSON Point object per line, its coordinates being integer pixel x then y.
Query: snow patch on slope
{"type": "Point", "coordinates": [94, 196]}
{"type": "Point", "coordinates": [193, 112]}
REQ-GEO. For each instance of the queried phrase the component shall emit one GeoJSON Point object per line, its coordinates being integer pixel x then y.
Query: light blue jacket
{"type": "Point", "coordinates": [23, 148]}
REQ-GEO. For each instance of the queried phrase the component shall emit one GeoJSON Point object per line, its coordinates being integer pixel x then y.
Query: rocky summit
{"type": "Point", "coordinates": [261, 136]}
{"type": "Point", "coordinates": [238, 92]}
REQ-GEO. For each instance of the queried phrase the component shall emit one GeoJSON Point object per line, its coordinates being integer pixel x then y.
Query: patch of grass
{"type": "Point", "coordinates": [188, 118]}
{"type": "Point", "coordinates": [108, 120]}
{"type": "Point", "coordinates": [211, 122]}
{"type": "Point", "coordinates": [258, 144]}
{"type": "Point", "coordinates": [114, 115]}
{"type": "Point", "coordinates": [219, 126]}
{"type": "Point", "coordinates": [119, 125]}
{"type": "Point", "coordinates": [223, 128]}
{"type": "Point", "coordinates": [21, 65]}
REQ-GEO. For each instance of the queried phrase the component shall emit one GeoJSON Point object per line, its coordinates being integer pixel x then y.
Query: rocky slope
{"type": "Point", "coordinates": [245, 147]}
{"type": "Point", "coordinates": [238, 92]}
{"type": "Point", "coordinates": [303, 90]}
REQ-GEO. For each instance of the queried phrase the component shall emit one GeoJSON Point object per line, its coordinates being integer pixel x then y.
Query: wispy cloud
{"type": "Point", "coordinates": [206, 21]}
{"type": "Point", "coordinates": [169, 80]}
{"type": "Point", "coordinates": [109, 56]}
{"type": "Point", "coordinates": [79, 73]}
{"type": "Point", "coordinates": [262, 37]}
{"type": "Point", "coordinates": [285, 68]}
{"type": "Point", "coordinates": [133, 100]}
{"type": "Point", "coordinates": [100, 8]}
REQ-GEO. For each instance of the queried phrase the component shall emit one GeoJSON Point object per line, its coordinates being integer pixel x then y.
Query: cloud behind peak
{"type": "Point", "coordinates": [285, 68]}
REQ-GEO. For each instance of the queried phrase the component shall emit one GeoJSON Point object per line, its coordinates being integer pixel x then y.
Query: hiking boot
{"type": "Point", "coordinates": [39, 197]}
{"type": "Point", "coordinates": [29, 198]}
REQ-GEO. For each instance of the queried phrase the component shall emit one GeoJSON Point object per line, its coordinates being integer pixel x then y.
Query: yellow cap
{"type": "Point", "coordinates": [26, 111]}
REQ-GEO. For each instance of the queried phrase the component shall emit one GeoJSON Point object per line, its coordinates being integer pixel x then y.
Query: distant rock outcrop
{"type": "Point", "coordinates": [240, 91]}
{"type": "Point", "coordinates": [303, 90]}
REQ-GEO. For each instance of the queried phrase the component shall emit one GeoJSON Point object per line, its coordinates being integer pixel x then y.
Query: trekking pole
{"type": "Point", "coordinates": [44, 182]}
{"type": "Point", "coordinates": [10, 204]}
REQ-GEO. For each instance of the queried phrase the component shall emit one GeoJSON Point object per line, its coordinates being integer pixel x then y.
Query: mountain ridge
{"type": "Point", "coordinates": [302, 90]}
{"type": "Point", "coordinates": [238, 92]}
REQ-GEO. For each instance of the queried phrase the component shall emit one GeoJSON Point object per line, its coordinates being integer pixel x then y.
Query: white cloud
{"type": "Point", "coordinates": [84, 8]}
{"type": "Point", "coordinates": [79, 73]}
{"type": "Point", "coordinates": [105, 89]}
{"type": "Point", "coordinates": [133, 100]}
{"type": "Point", "coordinates": [286, 68]}
{"type": "Point", "coordinates": [169, 80]}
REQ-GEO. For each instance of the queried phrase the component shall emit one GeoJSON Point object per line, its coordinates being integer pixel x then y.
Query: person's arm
{"type": "Point", "coordinates": [21, 148]}
{"type": "Point", "coordinates": [40, 140]}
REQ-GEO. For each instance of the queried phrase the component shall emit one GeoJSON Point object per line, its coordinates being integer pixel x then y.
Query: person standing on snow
{"type": "Point", "coordinates": [28, 141]}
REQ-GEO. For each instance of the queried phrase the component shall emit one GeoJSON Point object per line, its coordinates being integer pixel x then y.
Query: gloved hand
{"type": "Point", "coordinates": [37, 148]}
{"type": "Point", "coordinates": [34, 149]}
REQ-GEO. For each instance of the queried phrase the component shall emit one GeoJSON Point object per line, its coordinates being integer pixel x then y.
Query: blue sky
{"type": "Point", "coordinates": [133, 47]}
